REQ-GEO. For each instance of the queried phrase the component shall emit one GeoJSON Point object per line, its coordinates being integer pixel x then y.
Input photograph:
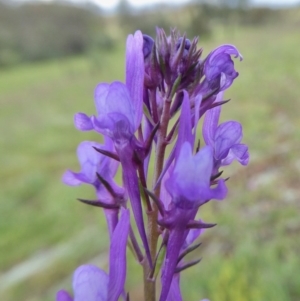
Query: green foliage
{"type": "Point", "coordinates": [32, 31]}
{"type": "Point", "coordinates": [192, 19]}
{"type": "Point", "coordinates": [42, 31]}
{"type": "Point", "coordinates": [259, 16]}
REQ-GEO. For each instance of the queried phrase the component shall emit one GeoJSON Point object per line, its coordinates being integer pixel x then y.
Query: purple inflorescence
{"type": "Point", "coordinates": [166, 78]}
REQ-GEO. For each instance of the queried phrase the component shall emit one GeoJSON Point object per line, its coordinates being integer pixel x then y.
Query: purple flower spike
{"type": "Point", "coordinates": [219, 67]}
{"type": "Point", "coordinates": [165, 77]}
{"type": "Point", "coordinates": [189, 183]}
{"type": "Point", "coordinates": [224, 138]}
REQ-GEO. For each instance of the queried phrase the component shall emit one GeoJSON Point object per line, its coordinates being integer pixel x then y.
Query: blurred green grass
{"type": "Point", "coordinates": [253, 253]}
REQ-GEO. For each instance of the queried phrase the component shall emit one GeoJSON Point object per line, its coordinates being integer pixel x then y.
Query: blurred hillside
{"type": "Point", "coordinates": [35, 31]}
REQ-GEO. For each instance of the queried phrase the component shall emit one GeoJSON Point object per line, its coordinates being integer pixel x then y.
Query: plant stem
{"type": "Point", "coordinates": [153, 232]}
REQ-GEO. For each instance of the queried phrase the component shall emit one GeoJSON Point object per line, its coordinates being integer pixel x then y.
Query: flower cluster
{"type": "Point", "coordinates": [166, 78]}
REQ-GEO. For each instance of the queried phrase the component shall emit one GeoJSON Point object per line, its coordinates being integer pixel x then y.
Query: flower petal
{"type": "Point", "coordinates": [193, 171]}
{"type": "Point", "coordinates": [131, 184]}
{"type": "Point", "coordinates": [225, 49]}
{"type": "Point", "coordinates": [63, 295]}
{"type": "Point", "coordinates": [113, 100]}
{"type": "Point", "coordinates": [135, 73]}
{"type": "Point", "coordinates": [83, 122]}
{"type": "Point", "coordinates": [100, 96]}
{"type": "Point", "coordinates": [148, 43]}
{"type": "Point", "coordinates": [189, 183]}
{"type": "Point", "coordinates": [227, 135]}
{"type": "Point", "coordinates": [73, 178]}
{"type": "Point", "coordinates": [175, 293]}
{"type": "Point", "coordinates": [175, 242]}
{"type": "Point", "coordinates": [211, 121]}
{"type": "Point", "coordinates": [92, 162]}
{"type": "Point", "coordinates": [90, 284]}
{"type": "Point", "coordinates": [238, 152]}
{"type": "Point", "coordinates": [198, 101]}
{"type": "Point", "coordinates": [185, 124]}
{"type": "Point", "coordinates": [117, 257]}
{"type": "Point", "coordinates": [219, 67]}
{"type": "Point", "coordinates": [192, 236]}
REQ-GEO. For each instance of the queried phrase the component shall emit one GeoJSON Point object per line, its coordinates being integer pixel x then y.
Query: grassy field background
{"type": "Point", "coordinates": [253, 253]}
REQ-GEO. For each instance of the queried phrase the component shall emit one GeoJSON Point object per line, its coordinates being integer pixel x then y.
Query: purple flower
{"type": "Point", "coordinates": [189, 183]}
{"type": "Point", "coordinates": [219, 69]}
{"type": "Point", "coordinates": [93, 284]}
{"type": "Point", "coordinates": [115, 111]}
{"type": "Point", "coordinates": [92, 162]}
{"type": "Point", "coordinates": [119, 113]}
{"type": "Point", "coordinates": [119, 105]}
{"type": "Point", "coordinates": [118, 119]}
{"type": "Point", "coordinates": [224, 138]}
{"type": "Point", "coordinates": [189, 187]}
